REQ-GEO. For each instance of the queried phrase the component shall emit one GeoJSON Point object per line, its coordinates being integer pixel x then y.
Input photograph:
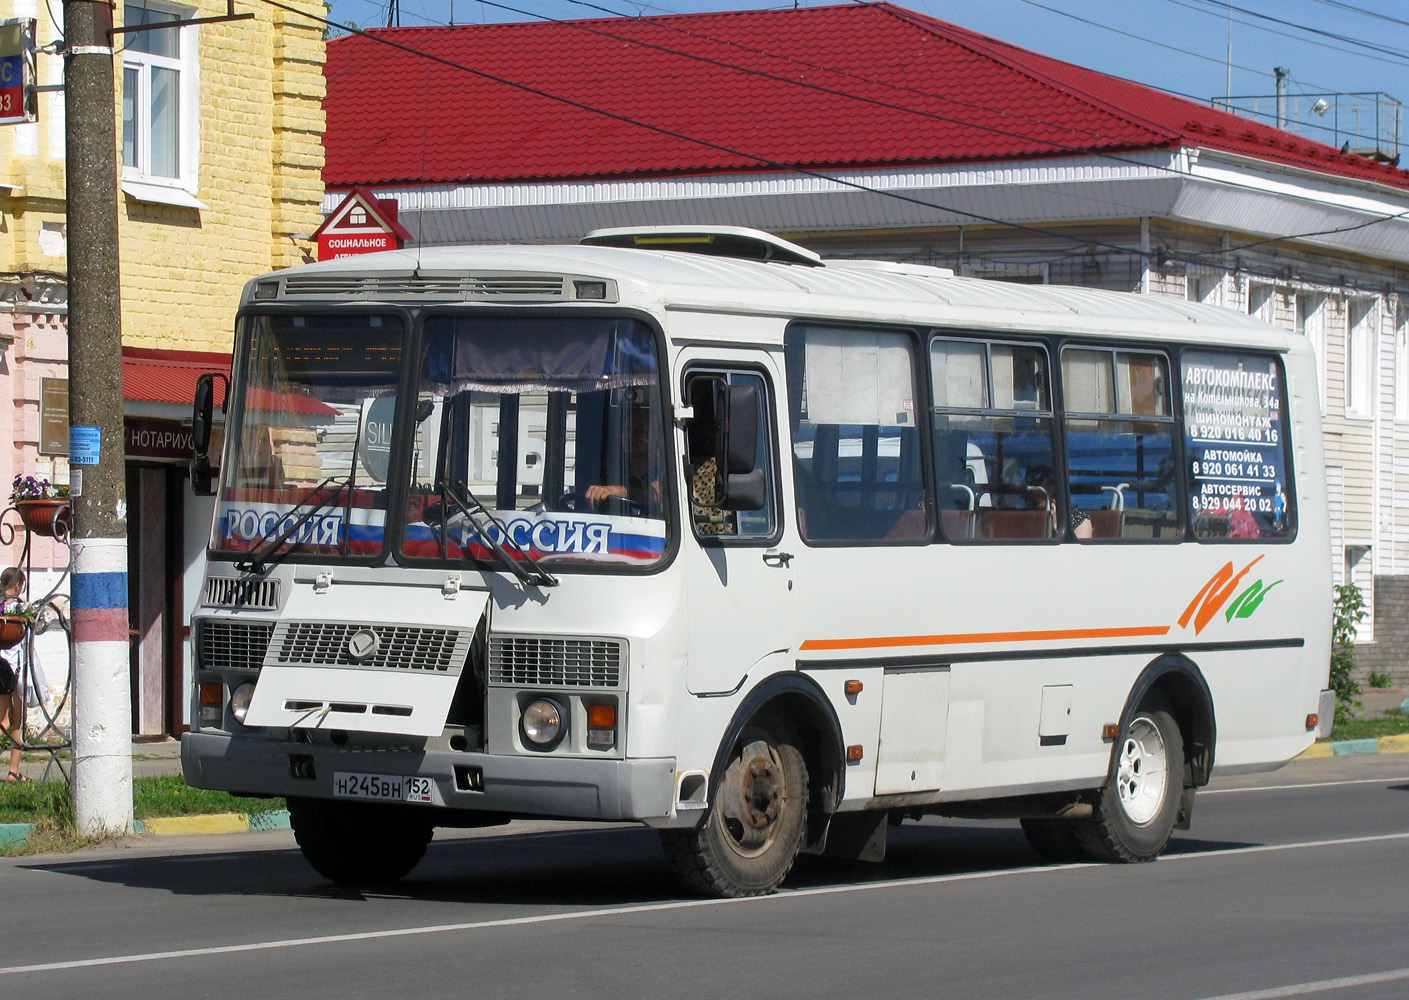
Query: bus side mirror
{"type": "Point", "coordinates": [203, 476]}
{"type": "Point", "coordinates": [202, 420]}
{"type": "Point", "coordinates": [732, 412]}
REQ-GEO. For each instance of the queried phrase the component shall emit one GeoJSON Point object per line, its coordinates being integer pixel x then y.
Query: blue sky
{"type": "Point", "coordinates": [1177, 45]}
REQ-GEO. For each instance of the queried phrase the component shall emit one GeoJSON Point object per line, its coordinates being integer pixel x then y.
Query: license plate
{"type": "Point", "coordinates": [386, 788]}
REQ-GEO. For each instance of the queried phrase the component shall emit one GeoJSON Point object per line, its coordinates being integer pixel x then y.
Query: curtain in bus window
{"type": "Point", "coordinates": [1120, 445]}
{"type": "Point", "coordinates": [1236, 446]}
{"type": "Point", "coordinates": [993, 440]}
{"type": "Point", "coordinates": [856, 446]}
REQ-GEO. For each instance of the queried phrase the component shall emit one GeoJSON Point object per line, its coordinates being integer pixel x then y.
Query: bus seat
{"type": "Point", "coordinates": [908, 527]}
{"type": "Point", "coordinates": [1106, 523]}
{"type": "Point", "coordinates": [957, 525]}
{"type": "Point", "coordinates": [1014, 524]}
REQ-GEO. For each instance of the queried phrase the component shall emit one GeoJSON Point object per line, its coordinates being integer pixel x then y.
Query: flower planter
{"type": "Point", "coordinates": [12, 630]}
{"type": "Point", "coordinates": [40, 516]}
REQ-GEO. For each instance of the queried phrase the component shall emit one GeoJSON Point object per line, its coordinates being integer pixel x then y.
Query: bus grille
{"type": "Point", "coordinates": [233, 645]}
{"type": "Point", "coordinates": [456, 287]}
{"type": "Point", "coordinates": [401, 647]}
{"type": "Point", "coordinates": [524, 661]}
{"type": "Point", "coordinates": [224, 592]}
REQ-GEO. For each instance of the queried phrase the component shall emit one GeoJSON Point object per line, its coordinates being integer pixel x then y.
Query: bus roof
{"type": "Point", "coordinates": [669, 280]}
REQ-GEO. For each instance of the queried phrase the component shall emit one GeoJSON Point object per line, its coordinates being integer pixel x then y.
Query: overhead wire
{"type": "Point", "coordinates": [1193, 257]}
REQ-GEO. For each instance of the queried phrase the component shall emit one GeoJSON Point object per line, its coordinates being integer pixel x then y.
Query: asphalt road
{"type": "Point", "coordinates": [1294, 883]}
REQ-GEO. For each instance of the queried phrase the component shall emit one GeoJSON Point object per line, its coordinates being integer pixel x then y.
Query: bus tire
{"type": "Point", "coordinates": [1134, 813]}
{"type": "Point", "coordinates": [1054, 840]}
{"type": "Point", "coordinates": [352, 843]}
{"type": "Point", "coordinates": [756, 821]}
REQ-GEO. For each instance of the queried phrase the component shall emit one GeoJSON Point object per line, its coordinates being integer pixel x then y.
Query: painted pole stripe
{"type": "Point", "coordinates": [100, 590]}
{"type": "Point", "coordinates": [100, 555]}
{"type": "Point", "coordinates": [979, 637]}
{"type": "Point", "coordinates": [100, 625]}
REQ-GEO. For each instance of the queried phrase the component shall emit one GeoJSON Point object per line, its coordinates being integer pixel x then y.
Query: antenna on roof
{"type": "Point", "coordinates": [393, 13]}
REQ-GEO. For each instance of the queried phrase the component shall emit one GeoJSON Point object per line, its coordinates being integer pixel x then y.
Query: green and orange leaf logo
{"type": "Point", "coordinates": [1215, 594]}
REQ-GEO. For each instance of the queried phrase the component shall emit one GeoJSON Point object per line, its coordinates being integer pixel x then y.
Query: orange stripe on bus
{"type": "Point", "coordinates": [891, 641]}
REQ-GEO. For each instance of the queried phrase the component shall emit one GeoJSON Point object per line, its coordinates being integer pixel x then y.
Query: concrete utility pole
{"type": "Point", "coordinates": [102, 712]}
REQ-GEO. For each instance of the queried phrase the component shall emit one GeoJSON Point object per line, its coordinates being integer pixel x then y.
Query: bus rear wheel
{"type": "Point", "coordinates": [756, 820]}
{"type": "Point", "coordinates": [1135, 812]}
{"type": "Point", "coordinates": [353, 843]}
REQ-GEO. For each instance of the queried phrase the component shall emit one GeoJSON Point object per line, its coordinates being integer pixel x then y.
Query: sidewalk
{"type": "Point", "coordinates": [148, 760]}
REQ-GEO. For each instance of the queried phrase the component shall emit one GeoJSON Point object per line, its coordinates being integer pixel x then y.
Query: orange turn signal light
{"type": "Point", "coordinates": [212, 692]}
{"type": "Point", "coordinates": [601, 716]}
{"type": "Point", "coordinates": [854, 752]}
{"type": "Point", "coordinates": [1110, 730]}
{"type": "Point", "coordinates": [1313, 720]}
{"type": "Point", "coordinates": [852, 687]}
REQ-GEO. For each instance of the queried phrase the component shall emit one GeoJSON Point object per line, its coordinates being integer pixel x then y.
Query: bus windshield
{"type": "Point", "coordinates": [310, 436]}
{"type": "Point", "coordinates": [546, 433]}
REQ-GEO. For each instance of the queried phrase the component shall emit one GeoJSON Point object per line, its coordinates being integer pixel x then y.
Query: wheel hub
{"type": "Point", "coordinates": [761, 792]}
{"type": "Point", "coordinates": [1142, 774]}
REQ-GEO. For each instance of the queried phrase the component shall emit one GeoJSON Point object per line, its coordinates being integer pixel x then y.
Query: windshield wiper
{"type": "Point", "coordinates": [268, 545]}
{"type": "Point", "coordinates": [529, 571]}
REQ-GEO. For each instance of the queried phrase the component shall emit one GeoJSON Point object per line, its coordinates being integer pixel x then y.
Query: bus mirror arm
{"type": "Point", "coordinates": [203, 476]}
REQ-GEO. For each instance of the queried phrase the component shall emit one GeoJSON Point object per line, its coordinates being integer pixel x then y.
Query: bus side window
{"type": "Point", "coordinates": [993, 440]}
{"type": "Point", "coordinates": [1120, 444]}
{"type": "Point", "coordinates": [855, 436]}
{"type": "Point", "coordinates": [701, 464]}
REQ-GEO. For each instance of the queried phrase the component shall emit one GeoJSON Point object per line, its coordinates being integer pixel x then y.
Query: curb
{"type": "Point", "coordinates": [213, 823]}
{"type": "Point", "coordinates": [14, 833]}
{"type": "Point", "coordinates": [1350, 748]}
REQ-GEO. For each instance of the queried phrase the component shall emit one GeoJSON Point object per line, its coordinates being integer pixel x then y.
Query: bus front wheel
{"type": "Point", "coordinates": [352, 843]}
{"type": "Point", "coordinates": [1134, 813]}
{"type": "Point", "coordinates": [756, 820]}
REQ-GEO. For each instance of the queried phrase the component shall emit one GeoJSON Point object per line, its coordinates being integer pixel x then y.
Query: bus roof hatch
{"type": "Point", "coordinates": [715, 241]}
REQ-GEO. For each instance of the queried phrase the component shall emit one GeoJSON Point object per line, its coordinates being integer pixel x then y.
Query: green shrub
{"type": "Point", "coordinates": [1349, 612]}
{"type": "Point", "coordinates": [1378, 680]}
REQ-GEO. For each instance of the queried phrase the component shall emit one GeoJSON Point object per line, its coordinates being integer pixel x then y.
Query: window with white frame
{"type": "Point", "coordinates": [1401, 362]}
{"type": "Point", "coordinates": [1204, 286]}
{"type": "Point", "coordinates": [1262, 302]}
{"type": "Point", "coordinates": [1360, 342]}
{"type": "Point", "coordinates": [159, 82]}
{"type": "Point", "coordinates": [1311, 323]}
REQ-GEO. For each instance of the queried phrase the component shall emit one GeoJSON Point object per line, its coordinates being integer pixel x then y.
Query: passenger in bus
{"type": "Point", "coordinates": [703, 470]}
{"type": "Point", "coordinates": [1043, 487]}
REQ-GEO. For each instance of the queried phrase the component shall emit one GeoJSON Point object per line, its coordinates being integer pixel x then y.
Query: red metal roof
{"type": "Point", "coordinates": [896, 88]}
{"type": "Point", "coordinates": [151, 376]}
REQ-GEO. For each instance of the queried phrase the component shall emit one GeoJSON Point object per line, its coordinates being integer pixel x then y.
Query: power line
{"type": "Point", "coordinates": [1400, 56]}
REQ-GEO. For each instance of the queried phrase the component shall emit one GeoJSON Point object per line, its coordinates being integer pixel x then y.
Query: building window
{"type": "Point", "coordinates": [1360, 342]}
{"type": "Point", "coordinates": [1401, 363]}
{"type": "Point", "coordinates": [1311, 324]}
{"type": "Point", "coordinates": [159, 98]}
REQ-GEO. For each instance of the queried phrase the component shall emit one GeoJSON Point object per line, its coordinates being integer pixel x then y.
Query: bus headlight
{"type": "Point", "coordinates": [543, 723]}
{"type": "Point", "coordinates": [240, 701]}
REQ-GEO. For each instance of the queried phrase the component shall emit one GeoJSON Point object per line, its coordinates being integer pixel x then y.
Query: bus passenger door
{"type": "Point", "coordinates": [740, 581]}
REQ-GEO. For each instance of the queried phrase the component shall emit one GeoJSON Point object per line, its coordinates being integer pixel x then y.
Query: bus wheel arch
{"type": "Point", "coordinates": [1180, 683]}
{"type": "Point", "coordinates": [1162, 752]}
{"type": "Point", "coordinates": [775, 782]}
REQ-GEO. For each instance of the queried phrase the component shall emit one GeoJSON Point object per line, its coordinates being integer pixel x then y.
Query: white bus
{"type": "Point", "coordinates": [695, 529]}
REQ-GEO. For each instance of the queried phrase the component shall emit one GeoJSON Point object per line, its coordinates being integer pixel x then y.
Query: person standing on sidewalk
{"type": "Point", "coordinates": [11, 669]}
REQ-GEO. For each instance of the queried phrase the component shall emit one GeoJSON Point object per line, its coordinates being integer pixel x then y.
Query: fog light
{"type": "Point", "coordinates": [543, 723]}
{"type": "Point", "coordinates": [240, 701]}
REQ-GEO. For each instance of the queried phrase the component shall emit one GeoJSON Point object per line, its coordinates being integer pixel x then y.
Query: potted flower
{"type": "Point", "coordinates": [16, 622]}
{"type": "Point", "coordinates": [41, 504]}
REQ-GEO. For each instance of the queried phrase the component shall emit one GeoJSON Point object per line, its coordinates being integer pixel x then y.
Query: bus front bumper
{"type": "Point", "coordinates": [557, 787]}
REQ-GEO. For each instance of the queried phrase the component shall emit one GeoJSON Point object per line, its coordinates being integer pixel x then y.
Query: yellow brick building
{"type": "Point", "coordinates": [219, 166]}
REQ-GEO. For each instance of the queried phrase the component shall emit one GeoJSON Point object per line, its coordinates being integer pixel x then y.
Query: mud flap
{"type": "Point", "coordinates": [857, 836]}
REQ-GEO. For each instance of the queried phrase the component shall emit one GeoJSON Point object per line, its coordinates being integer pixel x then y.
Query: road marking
{"type": "Point", "coordinates": [683, 904]}
{"type": "Point", "coordinates": [1301, 989]}
{"type": "Point", "coordinates": [1309, 784]}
